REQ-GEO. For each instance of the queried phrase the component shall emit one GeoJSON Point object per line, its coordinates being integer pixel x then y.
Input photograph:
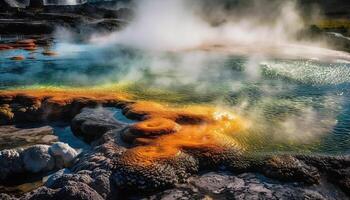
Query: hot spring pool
{"type": "Point", "coordinates": [293, 105]}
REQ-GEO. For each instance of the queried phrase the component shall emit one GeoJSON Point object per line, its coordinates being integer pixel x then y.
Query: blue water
{"type": "Point", "coordinates": [65, 134]}
{"type": "Point", "coordinates": [293, 105]}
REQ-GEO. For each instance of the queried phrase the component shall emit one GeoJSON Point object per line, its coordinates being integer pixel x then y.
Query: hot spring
{"type": "Point", "coordinates": [292, 104]}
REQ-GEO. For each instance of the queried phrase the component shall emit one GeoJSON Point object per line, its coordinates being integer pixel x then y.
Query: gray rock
{"type": "Point", "coordinates": [51, 179]}
{"type": "Point", "coordinates": [38, 159]}
{"type": "Point", "coordinates": [72, 191]}
{"type": "Point", "coordinates": [289, 168]}
{"type": "Point", "coordinates": [14, 137]}
{"type": "Point", "coordinates": [91, 124]}
{"type": "Point", "coordinates": [249, 186]}
{"type": "Point", "coordinates": [63, 154]}
{"type": "Point", "coordinates": [10, 163]}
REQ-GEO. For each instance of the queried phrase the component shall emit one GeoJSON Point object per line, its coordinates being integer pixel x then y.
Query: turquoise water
{"type": "Point", "coordinates": [293, 105]}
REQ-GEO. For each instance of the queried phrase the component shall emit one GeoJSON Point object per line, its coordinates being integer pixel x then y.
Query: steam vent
{"type": "Point", "coordinates": [174, 99]}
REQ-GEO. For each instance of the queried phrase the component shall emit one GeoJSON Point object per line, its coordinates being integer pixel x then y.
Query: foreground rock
{"type": "Point", "coordinates": [116, 168]}
{"type": "Point", "coordinates": [35, 159]}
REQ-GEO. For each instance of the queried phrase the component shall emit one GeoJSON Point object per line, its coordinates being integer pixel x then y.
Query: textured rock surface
{"type": "Point", "coordinates": [10, 163]}
{"type": "Point", "coordinates": [288, 168]}
{"type": "Point", "coordinates": [63, 153]}
{"type": "Point", "coordinates": [157, 165]}
{"type": "Point", "coordinates": [14, 136]}
{"type": "Point", "coordinates": [71, 191]}
{"type": "Point", "coordinates": [38, 159]}
{"type": "Point", "coordinates": [91, 124]}
{"type": "Point", "coordinates": [244, 186]}
{"type": "Point", "coordinates": [112, 154]}
{"type": "Point", "coordinates": [35, 159]}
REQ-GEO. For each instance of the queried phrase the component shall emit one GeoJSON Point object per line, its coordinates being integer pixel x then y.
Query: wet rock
{"type": "Point", "coordinates": [63, 154]}
{"type": "Point", "coordinates": [91, 124]}
{"type": "Point", "coordinates": [289, 168]}
{"type": "Point", "coordinates": [49, 53]}
{"type": "Point", "coordinates": [10, 163]}
{"type": "Point", "coordinates": [336, 168]}
{"type": "Point", "coordinates": [38, 159]}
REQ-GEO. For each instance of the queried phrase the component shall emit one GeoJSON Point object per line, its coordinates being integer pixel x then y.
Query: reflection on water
{"type": "Point", "coordinates": [118, 115]}
{"type": "Point", "coordinates": [293, 105]}
{"type": "Point", "coordinates": [64, 134]}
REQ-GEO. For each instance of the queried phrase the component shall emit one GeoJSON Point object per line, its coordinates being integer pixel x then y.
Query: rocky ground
{"type": "Point", "coordinates": [80, 19]}
{"type": "Point", "coordinates": [112, 170]}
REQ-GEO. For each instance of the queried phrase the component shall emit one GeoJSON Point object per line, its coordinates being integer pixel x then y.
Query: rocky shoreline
{"type": "Point", "coordinates": [110, 170]}
{"type": "Point", "coordinates": [83, 19]}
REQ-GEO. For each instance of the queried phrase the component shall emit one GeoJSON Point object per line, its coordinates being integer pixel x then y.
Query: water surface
{"type": "Point", "coordinates": [294, 105]}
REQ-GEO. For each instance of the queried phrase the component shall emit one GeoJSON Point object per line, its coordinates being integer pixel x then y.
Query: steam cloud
{"type": "Point", "coordinates": [180, 24]}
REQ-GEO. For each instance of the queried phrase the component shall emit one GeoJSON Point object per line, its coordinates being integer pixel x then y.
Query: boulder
{"type": "Point", "coordinates": [91, 124]}
{"type": "Point", "coordinates": [38, 159]}
{"type": "Point", "coordinates": [10, 163]}
{"type": "Point", "coordinates": [63, 154]}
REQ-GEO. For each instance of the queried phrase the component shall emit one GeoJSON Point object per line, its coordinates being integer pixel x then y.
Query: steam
{"type": "Point", "coordinates": [179, 24]}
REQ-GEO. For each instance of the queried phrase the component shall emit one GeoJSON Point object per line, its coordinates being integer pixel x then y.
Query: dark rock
{"type": "Point", "coordinates": [76, 18]}
{"type": "Point", "coordinates": [38, 159]}
{"type": "Point", "coordinates": [25, 27]}
{"type": "Point", "coordinates": [6, 115]}
{"type": "Point", "coordinates": [179, 194]}
{"type": "Point", "coordinates": [336, 169]}
{"type": "Point", "coordinates": [288, 168]}
{"type": "Point", "coordinates": [341, 177]}
{"type": "Point", "coordinates": [10, 163]}
{"type": "Point", "coordinates": [249, 186]}
{"type": "Point", "coordinates": [91, 124]}
{"type": "Point", "coordinates": [72, 191]}
{"type": "Point", "coordinates": [98, 179]}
